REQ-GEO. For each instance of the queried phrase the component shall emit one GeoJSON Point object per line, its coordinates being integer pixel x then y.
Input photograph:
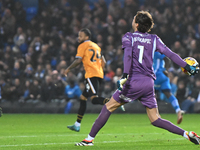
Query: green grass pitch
{"type": "Point", "coordinates": [122, 132]}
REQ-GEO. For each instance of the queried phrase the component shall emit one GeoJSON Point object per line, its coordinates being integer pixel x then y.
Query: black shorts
{"type": "Point", "coordinates": [92, 86]}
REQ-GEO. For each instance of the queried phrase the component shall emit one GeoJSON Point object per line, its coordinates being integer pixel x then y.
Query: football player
{"type": "Point", "coordinates": [138, 78]}
{"type": "Point", "coordinates": [89, 53]}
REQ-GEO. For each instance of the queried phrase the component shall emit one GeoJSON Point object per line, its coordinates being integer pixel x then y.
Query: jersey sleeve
{"type": "Point", "coordinates": [127, 47]}
{"type": "Point", "coordinates": [162, 48]}
{"type": "Point", "coordinates": [80, 51]}
{"type": "Point", "coordinates": [126, 41]}
{"type": "Point", "coordinates": [158, 55]}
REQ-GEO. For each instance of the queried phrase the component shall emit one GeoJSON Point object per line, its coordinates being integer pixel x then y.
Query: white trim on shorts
{"type": "Point", "coordinates": [91, 86]}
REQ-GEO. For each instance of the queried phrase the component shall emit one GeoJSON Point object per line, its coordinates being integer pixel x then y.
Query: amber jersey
{"type": "Point", "coordinates": [90, 53]}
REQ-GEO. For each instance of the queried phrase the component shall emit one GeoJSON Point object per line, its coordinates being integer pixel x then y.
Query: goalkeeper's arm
{"type": "Point", "coordinates": [122, 81]}
{"type": "Point", "coordinates": [192, 70]}
{"type": "Point", "coordinates": [127, 66]}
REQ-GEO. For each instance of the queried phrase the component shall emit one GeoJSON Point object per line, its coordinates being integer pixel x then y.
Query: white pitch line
{"type": "Point", "coordinates": [112, 134]}
{"type": "Point", "coordinates": [23, 145]}
{"type": "Point", "coordinates": [35, 144]}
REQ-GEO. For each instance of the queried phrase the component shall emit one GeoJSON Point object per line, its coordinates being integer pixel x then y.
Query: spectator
{"type": "Point", "coordinates": [110, 74]}
{"type": "Point", "coordinates": [16, 90]}
{"type": "Point", "coordinates": [8, 4]}
{"type": "Point", "coordinates": [100, 10]}
{"type": "Point", "coordinates": [34, 92]}
{"type": "Point", "coordinates": [37, 45]}
{"type": "Point", "coordinates": [64, 26]}
{"type": "Point", "coordinates": [2, 85]}
{"type": "Point", "coordinates": [192, 47]}
{"type": "Point", "coordinates": [118, 75]}
{"type": "Point", "coordinates": [59, 87]}
{"type": "Point", "coordinates": [188, 104]}
{"type": "Point", "coordinates": [48, 69]}
{"type": "Point", "coordinates": [20, 15]}
{"type": "Point", "coordinates": [107, 90]}
{"type": "Point", "coordinates": [16, 71]}
{"type": "Point", "coordinates": [19, 37]}
{"type": "Point", "coordinates": [29, 72]}
{"type": "Point", "coordinates": [7, 91]}
{"type": "Point", "coordinates": [181, 89]}
{"type": "Point", "coordinates": [25, 92]}
{"type": "Point", "coordinates": [47, 90]}
{"type": "Point", "coordinates": [179, 49]}
{"type": "Point", "coordinates": [118, 59]}
{"type": "Point", "coordinates": [114, 9]}
{"type": "Point", "coordinates": [40, 72]}
{"type": "Point", "coordinates": [8, 22]}
{"type": "Point", "coordinates": [73, 93]}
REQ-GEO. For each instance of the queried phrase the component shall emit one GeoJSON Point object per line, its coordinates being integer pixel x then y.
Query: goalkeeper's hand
{"type": "Point", "coordinates": [122, 81]}
{"type": "Point", "coordinates": [192, 70]}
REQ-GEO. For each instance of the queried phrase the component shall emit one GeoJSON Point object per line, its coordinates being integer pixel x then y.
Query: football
{"type": "Point", "coordinates": [190, 61]}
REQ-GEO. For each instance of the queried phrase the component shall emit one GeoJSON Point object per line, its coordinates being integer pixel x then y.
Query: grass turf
{"type": "Point", "coordinates": [122, 132]}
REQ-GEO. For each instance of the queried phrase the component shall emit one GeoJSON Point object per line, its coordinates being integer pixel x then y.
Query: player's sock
{"type": "Point", "coordinates": [78, 124]}
{"type": "Point", "coordinates": [174, 102]}
{"type": "Point", "coordinates": [165, 124]}
{"type": "Point", "coordinates": [100, 100]}
{"type": "Point", "coordinates": [100, 121]}
{"type": "Point", "coordinates": [185, 134]}
{"type": "Point", "coordinates": [81, 110]}
{"type": "Point", "coordinates": [89, 138]}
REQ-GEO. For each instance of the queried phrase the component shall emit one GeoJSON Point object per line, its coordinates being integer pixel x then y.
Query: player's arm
{"type": "Point", "coordinates": [167, 65]}
{"type": "Point", "coordinates": [75, 63]}
{"type": "Point", "coordinates": [103, 61]}
{"type": "Point", "coordinates": [78, 58]}
{"type": "Point", "coordinates": [162, 48]}
{"type": "Point", "coordinates": [127, 47]}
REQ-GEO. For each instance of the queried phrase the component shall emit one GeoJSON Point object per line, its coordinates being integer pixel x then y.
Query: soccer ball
{"type": "Point", "coordinates": [190, 61]}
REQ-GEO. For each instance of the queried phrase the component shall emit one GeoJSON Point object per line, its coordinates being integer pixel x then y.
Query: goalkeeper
{"type": "Point", "coordinates": [138, 78]}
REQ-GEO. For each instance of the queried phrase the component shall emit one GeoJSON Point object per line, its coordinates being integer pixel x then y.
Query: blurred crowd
{"type": "Point", "coordinates": [34, 53]}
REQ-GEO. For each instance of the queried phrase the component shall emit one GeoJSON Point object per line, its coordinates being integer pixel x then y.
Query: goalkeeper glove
{"type": "Point", "coordinates": [122, 81]}
{"type": "Point", "coordinates": [192, 70]}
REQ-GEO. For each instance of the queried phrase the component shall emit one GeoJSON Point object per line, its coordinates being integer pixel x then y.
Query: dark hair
{"type": "Point", "coordinates": [145, 21]}
{"type": "Point", "coordinates": [87, 32]}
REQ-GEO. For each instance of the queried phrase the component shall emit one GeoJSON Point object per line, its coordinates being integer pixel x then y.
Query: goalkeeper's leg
{"type": "Point", "coordinates": [106, 111]}
{"type": "Point", "coordinates": [167, 125]}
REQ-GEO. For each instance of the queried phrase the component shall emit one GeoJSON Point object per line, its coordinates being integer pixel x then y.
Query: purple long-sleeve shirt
{"type": "Point", "coordinates": [139, 51]}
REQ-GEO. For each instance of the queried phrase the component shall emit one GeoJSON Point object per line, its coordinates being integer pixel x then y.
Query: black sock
{"type": "Point", "coordinates": [100, 100]}
{"type": "Point", "coordinates": [81, 110]}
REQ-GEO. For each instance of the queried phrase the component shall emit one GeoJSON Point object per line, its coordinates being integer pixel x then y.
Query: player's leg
{"type": "Point", "coordinates": [99, 100]}
{"type": "Point", "coordinates": [166, 89]}
{"type": "Point", "coordinates": [91, 90]}
{"type": "Point", "coordinates": [94, 84]}
{"type": "Point", "coordinates": [149, 101]}
{"type": "Point", "coordinates": [81, 112]}
{"type": "Point", "coordinates": [105, 113]}
{"type": "Point", "coordinates": [172, 99]}
{"type": "Point", "coordinates": [155, 120]}
{"type": "Point", "coordinates": [174, 102]}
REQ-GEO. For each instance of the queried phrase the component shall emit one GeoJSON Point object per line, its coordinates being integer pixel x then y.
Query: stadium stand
{"type": "Point", "coordinates": [47, 42]}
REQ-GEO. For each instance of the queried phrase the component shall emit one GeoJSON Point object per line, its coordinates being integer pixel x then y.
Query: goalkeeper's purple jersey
{"type": "Point", "coordinates": [139, 51]}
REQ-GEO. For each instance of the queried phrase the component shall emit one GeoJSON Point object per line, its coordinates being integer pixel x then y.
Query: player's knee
{"type": "Point", "coordinates": [83, 98]}
{"type": "Point", "coordinates": [112, 105]}
{"type": "Point", "coordinates": [167, 92]}
{"type": "Point", "coordinates": [92, 97]}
